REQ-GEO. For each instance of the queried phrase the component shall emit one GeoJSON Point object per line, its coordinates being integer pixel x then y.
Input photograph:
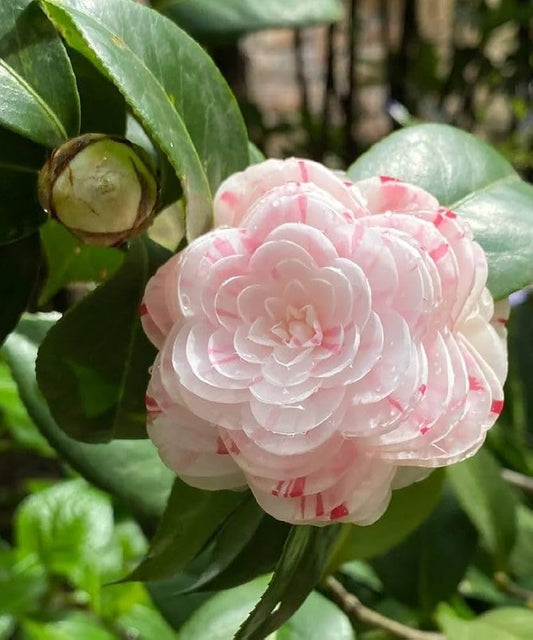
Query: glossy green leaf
{"type": "Point", "coordinates": [69, 527]}
{"type": "Point", "coordinates": [489, 501]}
{"type": "Point", "coordinates": [15, 419]}
{"type": "Point", "coordinates": [19, 267]}
{"type": "Point", "coordinates": [468, 176]}
{"type": "Point", "coordinates": [20, 161]}
{"type": "Point", "coordinates": [93, 365]}
{"type": "Point", "coordinates": [302, 562]}
{"type": "Point", "coordinates": [506, 623]}
{"type": "Point", "coordinates": [145, 623]}
{"type": "Point", "coordinates": [215, 20]}
{"type": "Point", "coordinates": [81, 626]}
{"type": "Point", "coordinates": [426, 568]}
{"type": "Point", "coordinates": [408, 508]}
{"type": "Point", "coordinates": [221, 616]}
{"type": "Point", "coordinates": [191, 518]}
{"type": "Point", "coordinates": [38, 98]}
{"type": "Point", "coordinates": [201, 132]}
{"type": "Point", "coordinates": [129, 470]}
{"type": "Point", "coordinates": [70, 260]}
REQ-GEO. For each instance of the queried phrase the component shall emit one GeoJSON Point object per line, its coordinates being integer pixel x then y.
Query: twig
{"type": "Point", "coordinates": [354, 608]}
{"type": "Point", "coordinates": [518, 480]}
{"type": "Point", "coordinates": [505, 584]}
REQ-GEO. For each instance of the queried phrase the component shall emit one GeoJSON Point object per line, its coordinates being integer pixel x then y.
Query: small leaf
{"type": "Point", "coordinates": [191, 518]}
{"type": "Point", "coordinates": [409, 507]}
{"type": "Point", "coordinates": [39, 98]}
{"type": "Point", "coordinates": [70, 260]}
{"type": "Point", "coordinates": [201, 132]}
{"type": "Point", "coordinates": [19, 267]}
{"type": "Point", "coordinates": [214, 20]}
{"type": "Point", "coordinates": [129, 470]}
{"type": "Point", "coordinates": [93, 365]}
{"type": "Point", "coordinates": [304, 557]}
{"type": "Point", "coordinates": [505, 623]}
{"type": "Point", "coordinates": [426, 568]}
{"type": "Point", "coordinates": [489, 502]}
{"type": "Point", "coordinates": [69, 527]}
{"type": "Point", "coordinates": [23, 583]}
{"type": "Point", "coordinates": [468, 176]}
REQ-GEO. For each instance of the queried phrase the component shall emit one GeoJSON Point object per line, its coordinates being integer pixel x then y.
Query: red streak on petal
{"type": "Point", "coordinates": [229, 198]}
{"type": "Point", "coordinates": [275, 492]}
{"type": "Point", "coordinates": [348, 184]}
{"type": "Point", "coordinates": [424, 430]}
{"type": "Point", "coordinates": [439, 252]}
{"type": "Point", "coordinates": [385, 179]}
{"type": "Point", "coordinates": [502, 321]}
{"type": "Point", "coordinates": [451, 214]}
{"type": "Point", "coordinates": [150, 402]}
{"type": "Point", "coordinates": [394, 403]}
{"type": "Point", "coordinates": [475, 384]}
{"type": "Point", "coordinates": [143, 310]}
{"type": "Point", "coordinates": [319, 507]}
{"type": "Point", "coordinates": [221, 447]}
{"type": "Point", "coordinates": [226, 314]}
{"type": "Point", "coordinates": [439, 219]}
{"type": "Point", "coordinates": [303, 171]}
{"type": "Point", "coordinates": [302, 206]}
{"type": "Point", "coordinates": [338, 512]}
{"type": "Point", "coordinates": [298, 488]}
{"type": "Point", "coordinates": [496, 406]}
{"type": "Point", "coordinates": [422, 388]}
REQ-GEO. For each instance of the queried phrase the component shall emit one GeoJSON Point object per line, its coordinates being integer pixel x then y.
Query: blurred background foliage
{"type": "Point", "coordinates": [322, 79]}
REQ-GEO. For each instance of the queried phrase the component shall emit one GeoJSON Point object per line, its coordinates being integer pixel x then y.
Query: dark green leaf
{"type": "Point", "coordinates": [506, 623]}
{"type": "Point", "coordinates": [93, 365]}
{"type": "Point", "coordinates": [20, 161]}
{"type": "Point", "coordinates": [220, 617]}
{"type": "Point", "coordinates": [468, 176]}
{"type": "Point", "coordinates": [215, 20]}
{"type": "Point", "coordinates": [129, 470]}
{"type": "Point", "coordinates": [103, 109]}
{"type": "Point", "coordinates": [201, 132]}
{"type": "Point", "coordinates": [19, 267]}
{"type": "Point", "coordinates": [38, 98]}
{"type": "Point", "coordinates": [299, 569]}
{"type": "Point", "coordinates": [70, 260]}
{"type": "Point", "coordinates": [80, 626]}
{"type": "Point", "coordinates": [191, 518]}
{"type": "Point", "coordinates": [489, 502]}
{"type": "Point", "coordinates": [522, 555]}
{"type": "Point", "coordinates": [409, 507]}
{"type": "Point", "coordinates": [426, 568]}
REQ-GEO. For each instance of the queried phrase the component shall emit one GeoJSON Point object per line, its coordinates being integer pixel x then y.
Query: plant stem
{"type": "Point", "coordinates": [505, 584]}
{"type": "Point", "coordinates": [355, 609]}
{"type": "Point", "coordinates": [518, 480]}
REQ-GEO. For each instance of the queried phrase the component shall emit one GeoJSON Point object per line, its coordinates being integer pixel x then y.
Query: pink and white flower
{"type": "Point", "coordinates": [328, 342]}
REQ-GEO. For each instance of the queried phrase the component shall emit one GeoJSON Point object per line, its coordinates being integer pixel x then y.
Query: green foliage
{"type": "Point", "coordinates": [509, 623]}
{"type": "Point", "coordinates": [109, 466]}
{"type": "Point", "coordinates": [489, 501]}
{"type": "Point", "coordinates": [221, 616]}
{"type": "Point", "coordinates": [210, 20]}
{"type": "Point", "coordinates": [39, 98]}
{"type": "Point", "coordinates": [93, 364]}
{"type": "Point", "coordinates": [117, 38]}
{"type": "Point", "coordinates": [471, 178]}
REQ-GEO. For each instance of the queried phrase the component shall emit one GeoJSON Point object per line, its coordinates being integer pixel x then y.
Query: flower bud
{"type": "Point", "coordinates": [100, 188]}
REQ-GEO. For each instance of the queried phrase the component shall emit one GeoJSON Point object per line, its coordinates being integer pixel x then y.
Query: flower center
{"type": "Point", "coordinates": [299, 327]}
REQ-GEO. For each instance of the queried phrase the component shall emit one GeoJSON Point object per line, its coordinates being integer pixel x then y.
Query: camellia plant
{"type": "Point", "coordinates": [282, 372]}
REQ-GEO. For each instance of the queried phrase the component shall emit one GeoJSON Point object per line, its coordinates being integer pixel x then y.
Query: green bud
{"type": "Point", "coordinates": [100, 188]}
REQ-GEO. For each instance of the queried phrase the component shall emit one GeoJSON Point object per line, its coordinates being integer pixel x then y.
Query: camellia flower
{"type": "Point", "coordinates": [328, 342]}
